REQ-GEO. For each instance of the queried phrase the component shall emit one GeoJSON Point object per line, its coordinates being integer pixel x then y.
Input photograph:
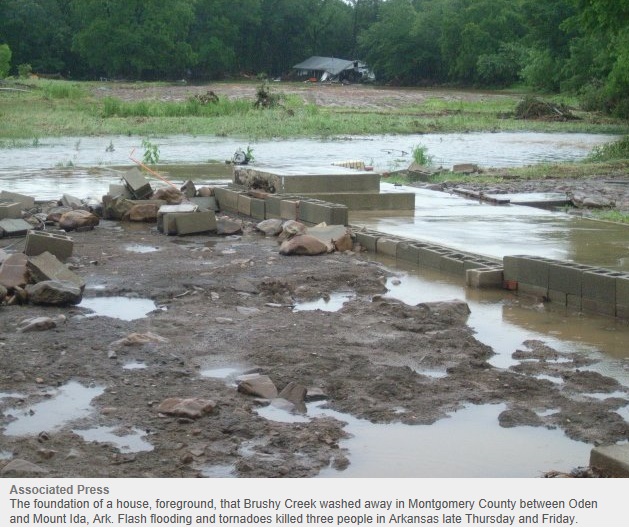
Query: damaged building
{"type": "Point", "coordinates": [329, 69]}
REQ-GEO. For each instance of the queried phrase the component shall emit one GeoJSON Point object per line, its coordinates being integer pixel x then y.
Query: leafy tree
{"type": "Point", "coordinates": [135, 38]}
{"type": "Point", "coordinates": [5, 60]}
{"type": "Point", "coordinates": [38, 33]}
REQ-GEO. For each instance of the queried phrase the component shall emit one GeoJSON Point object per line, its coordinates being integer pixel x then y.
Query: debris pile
{"type": "Point", "coordinates": [533, 108]}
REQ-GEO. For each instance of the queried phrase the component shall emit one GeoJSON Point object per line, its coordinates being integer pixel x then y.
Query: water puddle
{"type": "Point", "coordinates": [7, 395]}
{"type": "Point", "coordinates": [5, 455]}
{"type": "Point", "coordinates": [129, 442]}
{"type": "Point", "coordinates": [481, 447]}
{"type": "Point", "coordinates": [118, 307]}
{"type": "Point", "coordinates": [134, 365]}
{"type": "Point", "coordinates": [140, 248]}
{"type": "Point", "coordinates": [332, 303]}
{"type": "Point", "coordinates": [69, 403]}
{"type": "Point", "coordinates": [220, 373]}
{"type": "Point", "coordinates": [218, 471]}
{"type": "Point", "coordinates": [437, 374]}
{"type": "Point", "coordinates": [278, 414]}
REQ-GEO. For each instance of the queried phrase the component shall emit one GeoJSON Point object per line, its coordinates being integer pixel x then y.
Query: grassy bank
{"type": "Point", "coordinates": [61, 108]}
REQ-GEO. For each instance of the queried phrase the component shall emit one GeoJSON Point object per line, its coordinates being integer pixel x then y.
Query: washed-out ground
{"type": "Point", "coordinates": [224, 307]}
{"type": "Point", "coordinates": [227, 303]}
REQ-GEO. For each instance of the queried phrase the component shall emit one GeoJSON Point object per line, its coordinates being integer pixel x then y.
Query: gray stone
{"type": "Point", "coordinates": [54, 292]}
{"type": "Point", "coordinates": [295, 393]}
{"type": "Point", "coordinates": [40, 324]}
{"type": "Point", "coordinates": [28, 202]}
{"type": "Point", "coordinates": [10, 209]}
{"type": "Point", "coordinates": [337, 237]}
{"type": "Point", "coordinates": [257, 385]}
{"type": "Point", "coordinates": [189, 189]}
{"type": "Point", "coordinates": [226, 227]}
{"type": "Point", "coordinates": [270, 227]}
{"type": "Point", "coordinates": [71, 201]}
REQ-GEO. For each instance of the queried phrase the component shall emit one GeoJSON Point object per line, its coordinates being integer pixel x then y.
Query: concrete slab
{"type": "Point", "coordinates": [10, 210]}
{"type": "Point", "coordinates": [369, 201]}
{"type": "Point", "coordinates": [307, 179]}
{"type": "Point", "coordinates": [197, 222]}
{"type": "Point", "coordinates": [612, 461]}
{"type": "Point", "coordinates": [28, 202]}
{"type": "Point", "coordinates": [172, 209]}
{"type": "Point", "coordinates": [17, 227]}
{"type": "Point", "coordinates": [48, 267]}
{"type": "Point", "coordinates": [208, 203]}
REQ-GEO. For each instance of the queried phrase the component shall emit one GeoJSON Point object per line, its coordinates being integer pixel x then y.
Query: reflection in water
{"type": "Point", "coordinates": [118, 307]}
{"type": "Point", "coordinates": [130, 442]}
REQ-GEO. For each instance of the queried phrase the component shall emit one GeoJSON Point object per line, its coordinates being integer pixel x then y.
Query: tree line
{"type": "Point", "coordinates": [576, 46]}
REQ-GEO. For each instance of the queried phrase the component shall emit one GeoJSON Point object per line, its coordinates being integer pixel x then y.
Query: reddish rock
{"type": "Point", "coordinates": [14, 271]}
{"type": "Point", "coordinates": [257, 385]}
{"type": "Point", "coordinates": [303, 245]}
{"type": "Point", "coordinates": [170, 195]}
{"type": "Point", "coordinates": [78, 219]}
{"type": "Point", "coordinates": [143, 213]}
{"type": "Point", "coordinates": [186, 407]}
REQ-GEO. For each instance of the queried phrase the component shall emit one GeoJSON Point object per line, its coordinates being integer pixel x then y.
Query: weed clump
{"type": "Point", "coordinates": [265, 98]}
{"type": "Point", "coordinates": [617, 150]}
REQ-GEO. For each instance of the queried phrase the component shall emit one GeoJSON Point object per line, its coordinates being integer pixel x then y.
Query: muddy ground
{"type": "Point", "coordinates": [228, 303]}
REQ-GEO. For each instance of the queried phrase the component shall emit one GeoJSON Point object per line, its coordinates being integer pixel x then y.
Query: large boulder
{"type": "Point", "coordinates": [170, 195]}
{"type": "Point", "coordinates": [303, 245]}
{"type": "Point", "coordinates": [142, 213]}
{"type": "Point", "coordinates": [186, 407]}
{"type": "Point", "coordinates": [78, 219]}
{"type": "Point", "coordinates": [258, 385]}
{"type": "Point", "coordinates": [270, 227]}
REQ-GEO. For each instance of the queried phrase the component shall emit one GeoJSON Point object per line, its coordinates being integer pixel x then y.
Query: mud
{"type": "Point", "coordinates": [227, 303]}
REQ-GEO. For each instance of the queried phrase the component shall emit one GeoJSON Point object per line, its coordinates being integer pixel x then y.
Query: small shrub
{"type": "Point", "coordinates": [24, 71]}
{"type": "Point", "coordinates": [266, 99]}
{"type": "Point", "coordinates": [420, 155]}
{"type": "Point", "coordinates": [611, 151]}
{"type": "Point", "coordinates": [151, 152]}
{"type": "Point", "coordinates": [5, 60]}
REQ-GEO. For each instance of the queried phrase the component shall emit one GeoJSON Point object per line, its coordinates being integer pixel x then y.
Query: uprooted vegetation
{"type": "Point", "coordinates": [534, 108]}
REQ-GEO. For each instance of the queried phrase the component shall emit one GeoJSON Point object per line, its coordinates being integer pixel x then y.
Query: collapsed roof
{"type": "Point", "coordinates": [330, 68]}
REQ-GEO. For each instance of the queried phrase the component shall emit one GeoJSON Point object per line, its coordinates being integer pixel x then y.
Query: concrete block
{"type": "Point", "coordinates": [191, 223]}
{"type": "Point", "coordinates": [14, 227]}
{"type": "Point", "coordinates": [272, 206]}
{"type": "Point", "coordinates": [566, 277]}
{"type": "Point", "coordinates": [116, 189]}
{"type": "Point", "coordinates": [137, 184]}
{"type": "Point", "coordinates": [453, 263]}
{"type": "Point", "coordinates": [612, 461]}
{"type": "Point", "coordinates": [28, 202]}
{"type": "Point", "coordinates": [289, 209]}
{"type": "Point", "coordinates": [14, 271]}
{"type": "Point", "coordinates": [598, 291]}
{"type": "Point", "coordinates": [227, 199]}
{"type": "Point", "coordinates": [484, 278]}
{"type": "Point", "coordinates": [622, 296]}
{"type": "Point", "coordinates": [510, 264]}
{"type": "Point", "coordinates": [431, 255]}
{"type": "Point", "coordinates": [244, 204]}
{"type": "Point", "coordinates": [339, 214]}
{"type": "Point", "coordinates": [48, 267]}
{"type": "Point", "coordinates": [10, 210]}
{"type": "Point", "coordinates": [534, 271]}
{"type": "Point", "coordinates": [533, 290]}
{"type": "Point", "coordinates": [368, 239]}
{"type": "Point", "coordinates": [408, 252]}
{"type": "Point", "coordinates": [207, 203]}
{"type": "Point", "coordinates": [172, 209]}
{"type": "Point", "coordinates": [39, 241]}
{"type": "Point", "coordinates": [387, 246]}
{"type": "Point", "coordinates": [258, 208]}
{"type": "Point", "coordinates": [465, 168]}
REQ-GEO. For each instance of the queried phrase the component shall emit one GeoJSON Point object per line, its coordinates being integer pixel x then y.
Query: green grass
{"type": "Point", "coordinates": [611, 216]}
{"type": "Point", "coordinates": [63, 108]}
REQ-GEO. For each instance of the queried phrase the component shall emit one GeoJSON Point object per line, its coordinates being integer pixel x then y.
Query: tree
{"type": "Point", "coordinates": [38, 33]}
{"type": "Point", "coordinates": [135, 38]}
{"type": "Point", "coordinates": [5, 60]}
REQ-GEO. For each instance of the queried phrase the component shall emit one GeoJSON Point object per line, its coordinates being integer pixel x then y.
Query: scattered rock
{"type": "Point", "coordinates": [188, 189]}
{"type": "Point", "coordinates": [78, 219]}
{"type": "Point", "coordinates": [205, 192]}
{"type": "Point", "coordinates": [270, 227]}
{"type": "Point", "coordinates": [36, 324]}
{"type": "Point", "coordinates": [455, 309]}
{"type": "Point", "coordinates": [257, 385]}
{"type": "Point", "coordinates": [137, 339]}
{"type": "Point", "coordinates": [170, 195]}
{"type": "Point", "coordinates": [142, 213]}
{"type": "Point", "coordinates": [14, 271]}
{"type": "Point", "coordinates": [226, 227]}
{"type": "Point", "coordinates": [303, 245]}
{"type": "Point", "coordinates": [18, 467]}
{"type": "Point", "coordinates": [186, 407]}
{"type": "Point", "coordinates": [53, 292]}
